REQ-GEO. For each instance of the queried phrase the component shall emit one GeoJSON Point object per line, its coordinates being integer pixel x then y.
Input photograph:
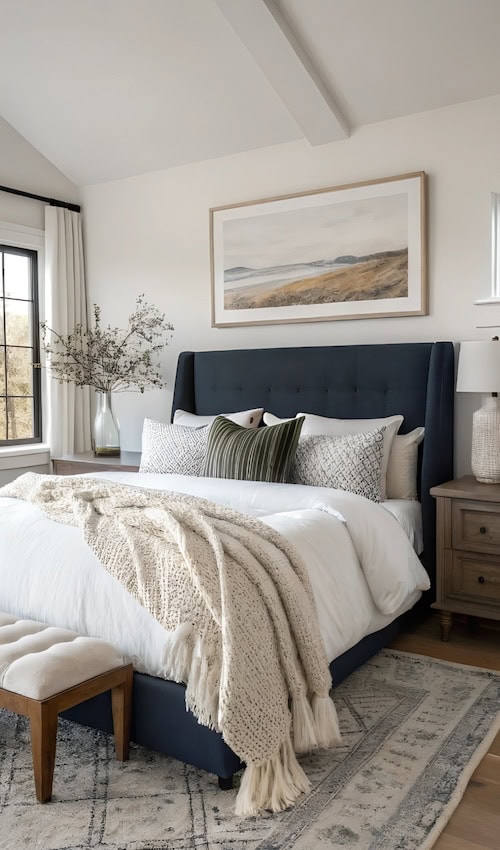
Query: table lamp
{"type": "Point", "coordinates": [479, 372]}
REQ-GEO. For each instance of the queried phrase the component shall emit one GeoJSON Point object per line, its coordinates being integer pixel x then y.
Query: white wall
{"type": "Point", "coordinates": [150, 234]}
{"type": "Point", "coordinates": [23, 167]}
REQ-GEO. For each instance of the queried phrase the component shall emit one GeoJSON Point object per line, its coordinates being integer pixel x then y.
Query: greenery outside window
{"type": "Point", "coordinates": [20, 414]}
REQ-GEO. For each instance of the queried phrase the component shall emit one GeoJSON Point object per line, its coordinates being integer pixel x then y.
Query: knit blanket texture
{"type": "Point", "coordinates": [237, 606]}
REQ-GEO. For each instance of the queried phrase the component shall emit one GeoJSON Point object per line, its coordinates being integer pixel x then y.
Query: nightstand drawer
{"type": "Point", "coordinates": [474, 577]}
{"type": "Point", "coordinates": [476, 527]}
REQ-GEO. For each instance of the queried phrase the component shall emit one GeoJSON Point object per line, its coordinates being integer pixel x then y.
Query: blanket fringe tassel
{"type": "Point", "coordinates": [202, 692]}
{"type": "Point", "coordinates": [180, 655]}
{"type": "Point", "coordinates": [184, 663]}
{"type": "Point", "coordinates": [303, 726]}
{"type": "Point", "coordinates": [314, 724]}
{"type": "Point", "coordinates": [274, 785]}
{"type": "Point", "coordinates": [326, 722]}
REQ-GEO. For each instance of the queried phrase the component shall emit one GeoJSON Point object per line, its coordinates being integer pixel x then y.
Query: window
{"type": "Point", "coordinates": [20, 420]}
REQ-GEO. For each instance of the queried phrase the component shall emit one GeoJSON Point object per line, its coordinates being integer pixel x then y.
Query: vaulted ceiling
{"type": "Point", "coordinates": [107, 89]}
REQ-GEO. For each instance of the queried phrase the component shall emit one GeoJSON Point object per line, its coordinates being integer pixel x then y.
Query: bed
{"type": "Point", "coordinates": [415, 380]}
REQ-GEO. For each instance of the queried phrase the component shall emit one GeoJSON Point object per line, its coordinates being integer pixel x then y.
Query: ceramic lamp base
{"type": "Point", "coordinates": [486, 442]}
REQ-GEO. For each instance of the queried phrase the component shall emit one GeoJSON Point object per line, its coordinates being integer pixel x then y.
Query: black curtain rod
{"type": "Point", "coordinates": [51, 201]}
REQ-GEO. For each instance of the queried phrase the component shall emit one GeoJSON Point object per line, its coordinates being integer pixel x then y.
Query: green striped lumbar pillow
{"type": "Point", "coordinates": [261, 454]}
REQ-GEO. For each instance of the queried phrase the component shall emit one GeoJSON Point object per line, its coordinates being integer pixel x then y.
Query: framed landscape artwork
{"type": "Point", "coordinates": [349, 252]}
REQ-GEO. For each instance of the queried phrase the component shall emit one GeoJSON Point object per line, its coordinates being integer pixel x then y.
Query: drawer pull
{"type": "Point", "coordinates": [482, 530]}
{"type": "Point", "coordinates": [481, 579]}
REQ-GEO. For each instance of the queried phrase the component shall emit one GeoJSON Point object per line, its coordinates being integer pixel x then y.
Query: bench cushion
{"type": "Point", "coordinates": [38, 661]}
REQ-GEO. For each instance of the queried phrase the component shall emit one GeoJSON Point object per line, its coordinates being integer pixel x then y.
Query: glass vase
{"type": "Point", "coordinates": [106, 427]}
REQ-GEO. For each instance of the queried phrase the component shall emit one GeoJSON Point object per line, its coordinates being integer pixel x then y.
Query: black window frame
{"type": "Point", "coordinates": [32, 255]}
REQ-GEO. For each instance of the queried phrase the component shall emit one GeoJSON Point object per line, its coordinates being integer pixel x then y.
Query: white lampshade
{"type": "Point", "coordinates": [479, 367]}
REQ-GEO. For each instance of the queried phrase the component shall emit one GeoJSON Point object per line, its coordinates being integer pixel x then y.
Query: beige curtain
{"type": "Point", "coordinates": [67, 412]}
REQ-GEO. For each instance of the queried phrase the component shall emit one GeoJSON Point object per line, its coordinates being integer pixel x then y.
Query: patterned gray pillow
{"type": "Point", "coordinates": [173, 448]}
{"type": "Point", "coordinates": [350, 462]}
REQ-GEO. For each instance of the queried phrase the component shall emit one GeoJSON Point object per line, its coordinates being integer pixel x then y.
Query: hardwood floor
{"type": "Point", "coordinates": [475, 824]}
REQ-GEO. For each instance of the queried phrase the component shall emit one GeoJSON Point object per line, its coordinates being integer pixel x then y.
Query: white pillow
{"type": "Point", "coordinates": [245, 418]}
{"type": "Point", "coordinates": [323, 425]}
{"type": "Point", "coordinates": [350, 462]}
{"type": "Point", "coordinates": [402, 469]}
{"type": "Point", "coordinates": [173, 448]}
{"type": "Point", "coordinates": [271, 419]}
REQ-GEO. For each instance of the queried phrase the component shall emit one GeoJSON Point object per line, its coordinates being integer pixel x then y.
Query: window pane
{"type": "Point", "coordinates": [2, 340]}
{"type": "Point", "coordinates": [20, 416]}
{"type": "Point", "coordinates": [18, 322]}
{"type": "Point", "coordinates": [2, 372]}
{"type": "Point", "coordinates": [3, 420]}
{"type": "Point", "coordinates": [17, 276]}
{"type": "Point", "coordinates": [19, 371]}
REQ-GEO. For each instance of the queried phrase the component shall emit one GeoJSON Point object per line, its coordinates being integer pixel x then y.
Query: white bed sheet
{"type": "Point", "coordinates": [47, 572]}
{"type": "Point", "coordinates": [408, 513]}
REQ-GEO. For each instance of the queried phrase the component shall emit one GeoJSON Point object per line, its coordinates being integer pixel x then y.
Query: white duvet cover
{"type": "Point", "coordinates": [363, 568]}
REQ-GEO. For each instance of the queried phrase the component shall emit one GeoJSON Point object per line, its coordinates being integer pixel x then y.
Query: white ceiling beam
{"type": "Point", "coordinates": [291, 72]}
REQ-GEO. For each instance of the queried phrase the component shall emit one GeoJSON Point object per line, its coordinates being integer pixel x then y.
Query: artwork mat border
{"type": "Point", "coordinates": [423, 293]}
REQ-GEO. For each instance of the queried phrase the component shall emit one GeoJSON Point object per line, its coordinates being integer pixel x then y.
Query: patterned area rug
{"type": "Point", "coordinates": [413, 731]}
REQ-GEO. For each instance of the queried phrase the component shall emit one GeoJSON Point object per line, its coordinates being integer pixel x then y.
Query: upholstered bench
{"type": "Point", "coordinates": [45, 670]}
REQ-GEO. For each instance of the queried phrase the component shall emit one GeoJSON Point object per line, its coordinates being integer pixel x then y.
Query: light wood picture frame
{"type": "Point", "coordinates": [347, 252]}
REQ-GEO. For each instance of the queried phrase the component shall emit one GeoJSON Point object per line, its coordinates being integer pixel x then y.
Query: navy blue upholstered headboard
{"type": "Point", "coordinates": [348, 382]}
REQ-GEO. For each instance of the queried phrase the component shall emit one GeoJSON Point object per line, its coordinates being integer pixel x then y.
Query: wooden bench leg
{"type": "Point", "coordinates": [121, 702]}
{"type": "Point", "coordinates": [43, 718]}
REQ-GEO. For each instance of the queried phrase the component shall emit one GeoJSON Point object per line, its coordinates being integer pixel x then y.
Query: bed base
{"type": "Point", "coordinates": [161, 722]}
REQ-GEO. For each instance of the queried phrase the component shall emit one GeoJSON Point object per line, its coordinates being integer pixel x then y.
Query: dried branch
{"type": "Point", "coordinates": [108, 358]}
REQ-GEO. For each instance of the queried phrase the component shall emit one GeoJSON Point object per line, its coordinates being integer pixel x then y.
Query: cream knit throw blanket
{"type": "Point", "coordinates": [237, 605]}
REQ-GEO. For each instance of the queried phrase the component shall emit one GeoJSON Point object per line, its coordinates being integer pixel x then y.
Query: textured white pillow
{"type": "Point", "coordinates": [173, 448]}
{"type": "Point", "coordinates": [350, 462]}
{"type": "Point", "coordinates": [402, 469]}
{"type": "Point", "coordinates": [245, 418]}
{"type": "Point", "coordinates": [315, 425]}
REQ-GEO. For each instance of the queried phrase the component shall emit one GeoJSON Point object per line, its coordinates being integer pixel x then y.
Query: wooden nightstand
{"type": "Point", "coordinates": [468, 550]}
{"type": "Point", "coordinates": [87, 462]}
